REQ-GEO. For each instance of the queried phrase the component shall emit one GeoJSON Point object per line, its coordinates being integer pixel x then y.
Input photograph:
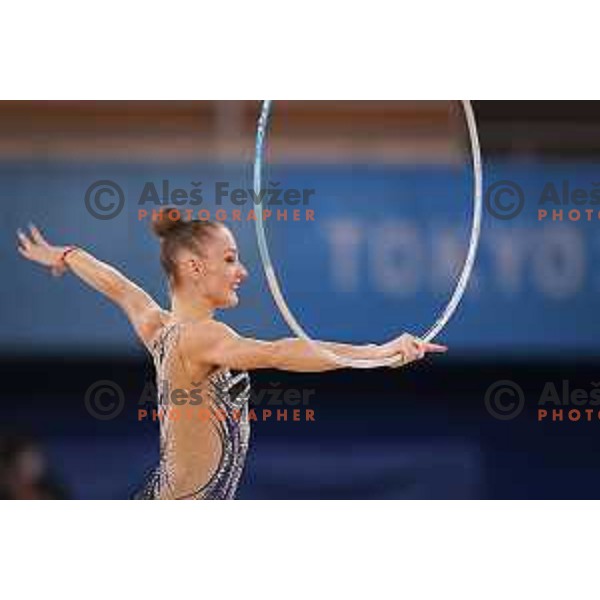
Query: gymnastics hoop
{"type": "Point", "coordinates": [459, 290]}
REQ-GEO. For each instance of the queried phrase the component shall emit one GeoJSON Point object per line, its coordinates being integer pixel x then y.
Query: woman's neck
{"type": "Point", "coordinates": [188, 306]}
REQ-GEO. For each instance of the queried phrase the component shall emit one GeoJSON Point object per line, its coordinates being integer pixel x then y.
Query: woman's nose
{"type": "Point", "coordinates": [243, 272]}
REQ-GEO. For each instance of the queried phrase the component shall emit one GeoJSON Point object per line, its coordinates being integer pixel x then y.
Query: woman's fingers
{"type": "Point", "coordinates": [429, 347]}
{"type": "Point", "coordinates": [418, 349]}
{"type": "Point", "coordinates": [37, 236]}
{"type": "Point", "coordinates": [412, 348]}
{"type": "Point", "coordinates": [25, 241]}
{"type": "Point", "coordinates": [435, 348]}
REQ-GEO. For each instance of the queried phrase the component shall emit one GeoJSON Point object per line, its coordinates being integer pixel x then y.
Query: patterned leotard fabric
{"type": "Point", "coordinates": [228, 415]}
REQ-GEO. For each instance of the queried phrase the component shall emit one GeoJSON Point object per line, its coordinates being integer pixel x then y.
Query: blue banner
{"type": "Point", "coordinates": [370, 252]}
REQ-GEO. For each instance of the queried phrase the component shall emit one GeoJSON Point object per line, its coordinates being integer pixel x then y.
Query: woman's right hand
{"type": "Point", "coordinates": [410, 349]}
{"type": "Point", "coordinates": [35, 248]}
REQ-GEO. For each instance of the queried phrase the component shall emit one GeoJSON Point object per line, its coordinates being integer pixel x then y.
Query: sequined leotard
{"type": "Point", "coordinates": [184, 449]}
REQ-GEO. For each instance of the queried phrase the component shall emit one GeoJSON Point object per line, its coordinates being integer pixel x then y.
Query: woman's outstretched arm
{"type": "Point", "coordinates": [213, 343]}
{"type": "Point", "coordinates": [143, 312]}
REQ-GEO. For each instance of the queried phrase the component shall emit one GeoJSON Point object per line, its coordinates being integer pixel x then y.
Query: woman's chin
{"type": "Point", "coordinates": [232, 300]}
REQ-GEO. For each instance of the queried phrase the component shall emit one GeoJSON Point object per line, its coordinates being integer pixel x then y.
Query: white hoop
{"type": "Point", "coordinates": [461, 285]}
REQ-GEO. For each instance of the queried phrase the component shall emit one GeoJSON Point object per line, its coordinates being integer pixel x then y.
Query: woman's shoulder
{"type": "Point", "coordinates": [205, 330]}
{"type": "Point", "coordinates": [155, 326]}
{"type": "Point", "coordinates": [201, 338]}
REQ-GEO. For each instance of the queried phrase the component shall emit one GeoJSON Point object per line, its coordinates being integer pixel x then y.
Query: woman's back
{"type": "Point", "coordinates": [203, 423]}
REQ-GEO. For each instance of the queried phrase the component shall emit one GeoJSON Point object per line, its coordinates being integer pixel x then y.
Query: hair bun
{"type": "Point", "coordinates": [166, 221]}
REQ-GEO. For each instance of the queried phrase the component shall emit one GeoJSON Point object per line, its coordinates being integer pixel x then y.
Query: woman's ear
{"type": "Point", "coordinates": [198, 267]}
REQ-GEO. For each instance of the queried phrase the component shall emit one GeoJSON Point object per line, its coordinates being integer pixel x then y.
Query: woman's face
{"type": "Point", "coordinates": [221, 270]}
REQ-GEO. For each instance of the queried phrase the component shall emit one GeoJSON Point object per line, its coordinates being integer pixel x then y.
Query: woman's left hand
{"type": "Point", "coordinates": [35, 248]}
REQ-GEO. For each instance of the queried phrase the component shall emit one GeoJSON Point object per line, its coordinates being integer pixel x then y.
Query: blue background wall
{"type": "Point", "coordinates": [381, 257]}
